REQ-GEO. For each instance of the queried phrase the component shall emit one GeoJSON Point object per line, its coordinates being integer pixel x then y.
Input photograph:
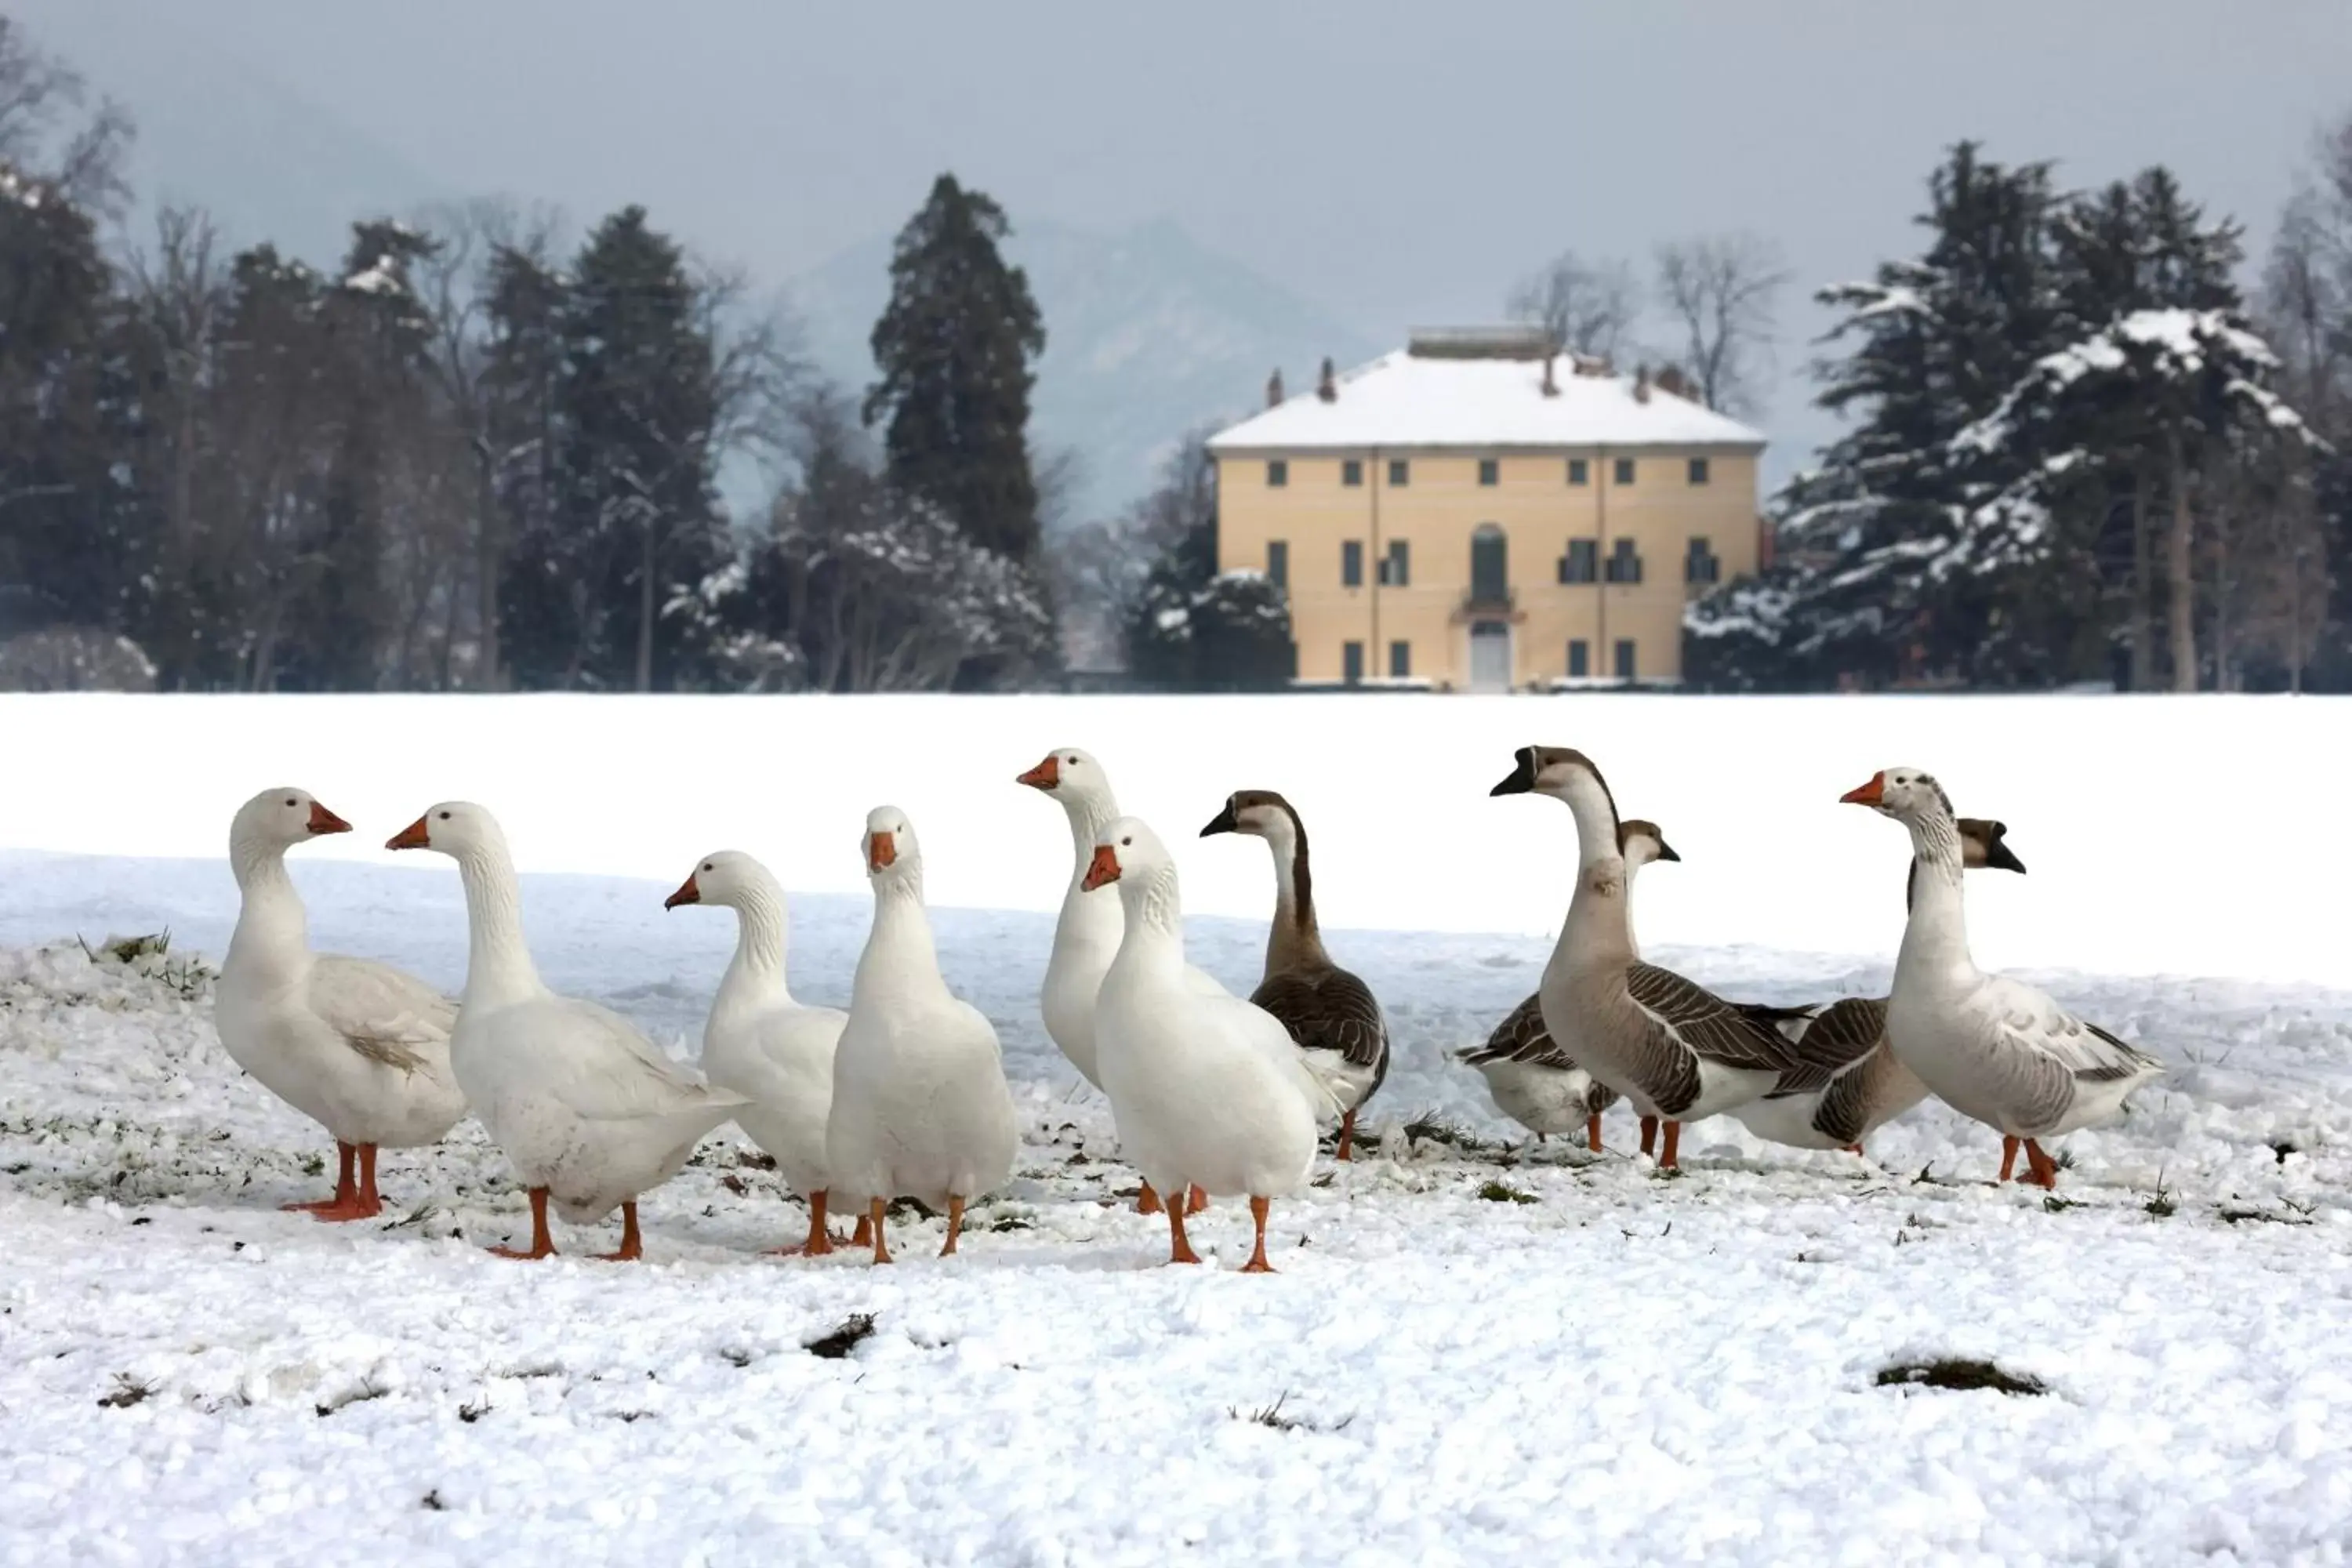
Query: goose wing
{"type": "Point", "coordinates": [2028, 1020]}
{"type": "Point", "coordinates": [1704, 1026]}
{"type": "Point", "coordinates": [1327, 1010]}
{"type": "Point", "coordinates": [1522, 1037]}
{"type": "Point", "coordinates": [606, 1071]}
{"type": "Point", "coordinates": [382, 1014]}
{"type": "Point", "coordinates": [1831, 1042]}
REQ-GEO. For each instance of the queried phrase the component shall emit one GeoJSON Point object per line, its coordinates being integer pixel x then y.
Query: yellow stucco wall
{"type": "Point", "coordinates": [1438, 511]}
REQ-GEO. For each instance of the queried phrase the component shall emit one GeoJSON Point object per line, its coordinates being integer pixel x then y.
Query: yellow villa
{"type": "Point", "coordinates": [1477, 513]}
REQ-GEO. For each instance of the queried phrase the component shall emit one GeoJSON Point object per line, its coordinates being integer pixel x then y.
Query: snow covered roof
{"type": "Point", "coordinates": [1444, 395]}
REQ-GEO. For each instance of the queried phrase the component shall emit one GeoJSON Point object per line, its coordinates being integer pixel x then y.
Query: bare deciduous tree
{"type": "Point", "coordinates": [1587, 306]}
{"type": "Point", "coordinates": [48, 127]}
{"type": "Point", "coordinates": [1723, 292]}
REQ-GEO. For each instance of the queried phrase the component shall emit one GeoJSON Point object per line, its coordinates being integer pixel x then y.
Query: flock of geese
{"type": "Point", "coordinates": [904, 1094]}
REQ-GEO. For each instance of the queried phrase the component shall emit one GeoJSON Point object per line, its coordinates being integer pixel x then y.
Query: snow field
{"type": "Point", "coordinates": [1625, 1368]}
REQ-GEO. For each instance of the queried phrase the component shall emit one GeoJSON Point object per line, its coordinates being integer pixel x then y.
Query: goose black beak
{"type": "Point", "coordinates": [1666, 851]}
{"type": "Point", "coordinates": [1222, 823]}
{"type": "Point", "coordinates": [1998, 856]}
{"type": "Point", "coordinates": [1523, 776]}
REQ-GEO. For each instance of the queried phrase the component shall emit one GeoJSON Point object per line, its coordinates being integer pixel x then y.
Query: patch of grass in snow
{"type": "Point", "coordinates": [853, 1330]}
{"type": "Point", "coordinates": [366, 1391]}
{"type": "Point", "coordinates": [127, 1392]}
{"type": "Point", "coordinates": [2283, 1148]}
{"type": "Point", "coordinates": [432, 1500]}
{"type": "Point", "coordinates": [189, 978]}
{"type": "Point", "coordinates": [734, 1357]}
{"type": "Point", "coordinates": [470, 1412]}
{"type": "Point", "coordinates": [1011, 1219]}
{"type": "Point", "coordinates": [2052, 1203]}
{"type": "Point", "coordinates": [1961, 1372]}
{"type": "Point", "coordinates": [2300, 1214]}
{"type": "Point", "coordinates": [2163, 1206]}
{"type": "Point", "coordinates": [1503, 1193]}
{"type": "Point", "coordinates": [1272, 1415]}
{"type": "Point", "coordinates": [1428, 1127]}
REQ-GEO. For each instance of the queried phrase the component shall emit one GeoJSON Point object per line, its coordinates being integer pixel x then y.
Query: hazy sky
{"type": "Point", "coordinates": [1402, 163]}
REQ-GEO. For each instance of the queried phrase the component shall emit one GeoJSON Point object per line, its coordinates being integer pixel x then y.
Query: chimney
{"type": "Point", "coordinates": [1550, 386]}
{"type": "Point", "coordinates": [1641, 384]}
{"type": "Point", "coordinates": [1274, 388]}
{"type": "Point", "coordinates": [1670, 381]}
{"type": "Point", "coordinates": [1326, 387]}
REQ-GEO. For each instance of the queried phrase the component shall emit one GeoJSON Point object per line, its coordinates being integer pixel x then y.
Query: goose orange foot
{"type": "Point", "coordinates": [632, 1247]}
{"type": "Point", "coordinates": [1257, 1263]}
{"type": "Point", "coordinates": [542, 1245]}
{"type": "Point", "coordinates": [353, 1199]}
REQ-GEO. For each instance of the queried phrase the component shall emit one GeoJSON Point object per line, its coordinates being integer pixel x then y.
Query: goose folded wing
{"type": "Point", "coordinates": [1327, 1010]}
{"type": "Point", "coordinates": [2028, 1020]}
{"type": "Point", "coordinates": [382, 1014]}
{"type": "Point", "coordinates": [1839, 1036]}
{"type": "Point", "coordinates": [1705, 1025]}
{"type": "Point", "coordinates": [1521, 1038]}
{"type": "Point", "coordinates": [605, 1070]}
{"type": "Point", "coordinates": [1271, 1038]}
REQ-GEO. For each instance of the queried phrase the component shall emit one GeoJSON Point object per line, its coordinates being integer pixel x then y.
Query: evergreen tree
{"type": "Point", "coordinates": [955, 346]}
{"type": "Point", "coordinates": [1192, 628]}
{"type": "Point", "coordinates": [526, 569]}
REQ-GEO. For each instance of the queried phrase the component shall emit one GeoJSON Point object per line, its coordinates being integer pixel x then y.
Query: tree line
{"type": "Point", "coordinates": [471, 457]}
{"type": "Point", "coordinates": [2081, 448]}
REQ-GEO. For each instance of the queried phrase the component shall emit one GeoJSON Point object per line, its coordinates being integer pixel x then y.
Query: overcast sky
{"type": "Point", "coordinates": [1402, 162]}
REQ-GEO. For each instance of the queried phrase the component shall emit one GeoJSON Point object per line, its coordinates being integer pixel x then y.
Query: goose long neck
{"type": "Point", "coordinates": [1632, 944]}
{"type": "Point", "coordinates": [497, 959]}
{"type": "Point", "coordinates": [1090, 815]}
{"type": "Point", "coordinates": [1936, 932]}
{"type": "Point", "coordinates": [761, 936]}
{"type": "Point", "coordinates": [271, 920]}
{"type": "Point", "coordinates": [1295, 938]}
{"type": "Point", "coordinates": [1600, 925]}
{"type": "Point", "coordinates": [900, 957]}
{"type": "Point", "coordinates": [1154, 913]}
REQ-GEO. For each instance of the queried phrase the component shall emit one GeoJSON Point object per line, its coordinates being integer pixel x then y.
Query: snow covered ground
{"type": "Point", "coordinates": [1472, 1352]}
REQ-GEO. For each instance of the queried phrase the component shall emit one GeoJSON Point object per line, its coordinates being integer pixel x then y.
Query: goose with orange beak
{"type": "Point", "coordinates": [1086, 934]}
{"type": "Point", "coordinates": [358, 1047]}
{"type": "Point", "coordinates": [589, 1112]}
{"type": "Point", "coordinates": [1848, 1081]}
{"type": "Point", "coordinates": [1993, 1048]}
{"type": "Point", "coordinates": [920, 1108]}
{"type": "Point", "coordinates": [1208, 1092]}
{"type": "Point", "coordinates": [1676, 1050]}
{"type": "Point", "coordinates": [764, 1043]}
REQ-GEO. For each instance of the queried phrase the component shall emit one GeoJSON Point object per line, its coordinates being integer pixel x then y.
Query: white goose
{"type": "Point", "coordinates": [1208, 1092]}
{"type": "Point", "coordinates": [1848, 1082]}
{"type": "Point", "coordinates": [1993, 1048]}
{"type": "Point", "coordinates": [590, 1112]}
{"type": "Point", "coordinates": [356, 1046]}
{"type": "Point", "coordinates": [920, 1108]}
{"type": "Point", "coordinates": [761, 1043]}
{"type": "Point", "coordinates": [1533, 1079]}
{"type": "Point", "coordinates": [1086, 936]}
{"type": "Point", "coordinates": [1678, 1052]}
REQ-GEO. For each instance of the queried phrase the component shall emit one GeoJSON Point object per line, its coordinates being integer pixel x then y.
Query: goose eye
{"type": "Point", "coordinates": [1070, 762]}
{"type": "Point", "coordinates": [291, 801]}
{"type": "Point", "coordinates": [1127, 843]}
{"type": "Point", "coordinates": [706, 865]}
{"type": "Point", "coordinates": [444, 817]}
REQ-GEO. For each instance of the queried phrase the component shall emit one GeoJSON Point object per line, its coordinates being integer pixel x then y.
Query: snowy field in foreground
{"type": "Point", "coordinates": [1624, 1369]}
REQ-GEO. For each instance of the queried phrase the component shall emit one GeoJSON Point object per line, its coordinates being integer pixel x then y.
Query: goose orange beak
{"type": "Point", "coordinates": [412, 837]}
{"type": "Point", "coordinates": [325, 821]}
{"type": "Point", "coordinates": [1870, 793]}
{"type": "Point", "coordinates": [688, 893]}
{"type": "Point", "coordinates": [881, 850]}
{"type": "Point", "coordinates": [1102, 870]}
{"type": "Point", "coordinates": [1046, 774]}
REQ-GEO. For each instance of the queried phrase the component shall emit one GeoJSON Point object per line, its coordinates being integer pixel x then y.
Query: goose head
{"type": "Point", "coordinates": [1568, 775]}
{"type": "Point", "coordinates": [1259, 813]}
{"type": "Point", "coordinates": [1982, 845]}
{"type": "Point", "coordinates": [454, 827]}
{"type": "Point", "coordinates": [726, 879]}
{"type": "Point", "coordinates": [1071, 776]}
{"type": "Point", "coordinates": [891, 854]}
{"type": "Point", "coordinates": [277, 819]}
{"type": "Point", "coordinates": [1128, 853]}
{"type": "Point", "coordinates": [1640, 842]}
{"type": "Point", "coordinates": [1907, 794]}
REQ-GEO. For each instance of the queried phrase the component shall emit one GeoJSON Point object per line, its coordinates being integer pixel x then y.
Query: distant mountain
{"type": "Point", "coordinates": [1147, 334]}
{"type": "Point", "coordinates": [268, 162]}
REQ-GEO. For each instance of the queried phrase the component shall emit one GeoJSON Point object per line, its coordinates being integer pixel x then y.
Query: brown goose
{"type": "Point", "coordinates": [1848, 1081]}
{"type": "Point", "coordinates": [1676, 1050]}
{"type": "Point", "coordinates": [1533, 1080]}
{"type": "Point", "coordinates": [1330, 1013]}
